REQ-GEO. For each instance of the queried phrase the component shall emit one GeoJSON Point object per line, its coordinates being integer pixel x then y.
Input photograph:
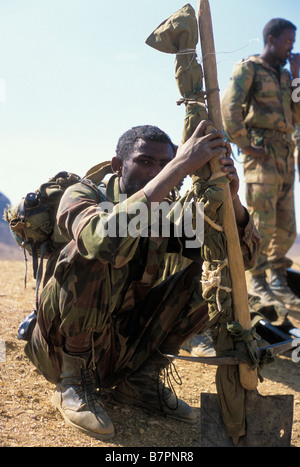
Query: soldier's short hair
{"type": "Point", "coordinates": [145, 132]}
{"type": "Point", "coordinates": [275, 27]}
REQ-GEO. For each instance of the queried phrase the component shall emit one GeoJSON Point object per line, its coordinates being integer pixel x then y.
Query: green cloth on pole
{"type": "Point", "coordinates": [179, 35]}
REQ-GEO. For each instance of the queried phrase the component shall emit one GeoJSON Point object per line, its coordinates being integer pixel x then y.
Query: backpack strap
{"type": "Point", "coordinates": [39, 273]}
{"type": "Point", "coordinates": [35, 260]}
{"type": "Point", "coordinates": [37, 266]}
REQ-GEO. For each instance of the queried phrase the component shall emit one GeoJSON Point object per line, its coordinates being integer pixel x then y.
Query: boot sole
{"type": "Point", "coordinates": [93, 434]}
{"type": "Point", "coordinates": [119, 397]}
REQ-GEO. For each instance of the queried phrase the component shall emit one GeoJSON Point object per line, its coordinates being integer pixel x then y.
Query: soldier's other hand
{"type": "Point", "coordinates": [294, 60]}
{"type": "Point", "coordinates": [255, 151]}
{"type": "Point", "coordinates": [229, 169]}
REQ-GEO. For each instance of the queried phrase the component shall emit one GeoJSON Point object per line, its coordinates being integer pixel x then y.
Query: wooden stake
{"type": "Point", "coordinates": [248, 377]}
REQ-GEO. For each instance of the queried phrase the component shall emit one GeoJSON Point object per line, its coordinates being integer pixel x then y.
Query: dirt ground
{"type": "Point", "coordinates": [27, 418]}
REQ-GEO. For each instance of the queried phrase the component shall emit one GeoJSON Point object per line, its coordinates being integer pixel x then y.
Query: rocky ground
{"type": "Point", "coordinates": [27, 417]}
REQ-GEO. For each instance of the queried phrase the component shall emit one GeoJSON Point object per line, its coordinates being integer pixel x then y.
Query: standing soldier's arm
{"type": "Point", "coordinates": [234, 106]}
{"type": "Point", "coordinates": [234, 103]}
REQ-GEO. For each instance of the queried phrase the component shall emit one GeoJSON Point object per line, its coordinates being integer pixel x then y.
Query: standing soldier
{"type": "Point", "coordinates": [259, 116]}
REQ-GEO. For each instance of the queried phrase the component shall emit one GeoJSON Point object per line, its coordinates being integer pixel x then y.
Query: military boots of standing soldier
{"type": "Point", "coordinates": [280, 287]}
{"type": "Point", "coordinates": [78, 397]}
{"type": "Point", "coordinates": [145, 388]}
{"type": "Point", "coordinates": [259, 287]}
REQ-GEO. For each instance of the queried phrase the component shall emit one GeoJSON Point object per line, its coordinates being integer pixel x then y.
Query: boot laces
{"type": "Point", "coordinates": [91, 388]}
{"type": "Point", "coordinates": [165, 388]}
{"type": "Point", "coordinates": [91, 383]}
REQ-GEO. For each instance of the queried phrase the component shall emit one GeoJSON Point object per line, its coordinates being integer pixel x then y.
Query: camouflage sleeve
{"type": "Point", "coordinates": [100, 229]}
{"type": "Point", "coordinates": [234, 101]}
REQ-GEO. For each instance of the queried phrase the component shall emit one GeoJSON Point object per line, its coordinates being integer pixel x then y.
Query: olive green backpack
{"type": "Point", "coordinates": [32, 221]}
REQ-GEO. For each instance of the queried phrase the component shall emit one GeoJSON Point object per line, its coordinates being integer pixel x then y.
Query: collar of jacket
{"type": "Point", "coordinates": [260, 61]}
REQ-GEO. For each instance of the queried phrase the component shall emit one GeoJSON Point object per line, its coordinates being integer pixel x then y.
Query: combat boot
{"type": "Point", "coordinates": [78, 398]}
{"type": "Point", "coordinates": [200, 345]}
{"type": "Point", "coordinates": [144, 388]}
{"type": "Point", "coordinates": [260, 288]}
{"type": "Point", "coordinates": [279, 286]}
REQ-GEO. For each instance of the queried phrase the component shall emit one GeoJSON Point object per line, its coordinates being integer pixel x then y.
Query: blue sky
{"type": "Point", "coordinates": [76, 74]}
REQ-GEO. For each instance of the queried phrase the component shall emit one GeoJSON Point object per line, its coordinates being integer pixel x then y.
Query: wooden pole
{"type": "Point", "coordinates": [248, 377]}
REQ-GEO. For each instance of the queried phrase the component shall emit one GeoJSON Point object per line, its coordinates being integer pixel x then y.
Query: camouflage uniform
{"type": "Point", "coordinates": [257, 109]}
{"type": "Point", "coordinates": [106, 291]}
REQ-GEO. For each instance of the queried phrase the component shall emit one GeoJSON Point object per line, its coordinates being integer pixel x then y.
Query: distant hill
{"type": "Point", "coordinates": [9, 250]}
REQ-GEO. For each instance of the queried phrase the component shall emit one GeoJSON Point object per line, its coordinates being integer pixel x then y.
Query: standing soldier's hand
{"type": "Point", "coordinates": [294, 60]}
{"type": "Point", "coordinates": [256, 152]}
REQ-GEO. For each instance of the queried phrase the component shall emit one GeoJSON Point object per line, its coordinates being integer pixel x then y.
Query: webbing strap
{"type": "Point", "coordinates": [39, 273]}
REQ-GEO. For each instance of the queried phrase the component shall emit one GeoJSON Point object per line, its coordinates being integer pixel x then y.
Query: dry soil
{"type": "Point", "coordinates": [27, 417]}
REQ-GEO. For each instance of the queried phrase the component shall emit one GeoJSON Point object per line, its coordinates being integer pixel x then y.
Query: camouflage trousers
{"type": "Point", "coordinates": [171, 313]}
{"type": "Point", "coordinates": [270, 197]}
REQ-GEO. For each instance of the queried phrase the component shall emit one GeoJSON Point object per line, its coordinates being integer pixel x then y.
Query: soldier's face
{"type": "Point", "coordinates": [283, 45]}
{"type": "Point", "coordinates": [147, 159]}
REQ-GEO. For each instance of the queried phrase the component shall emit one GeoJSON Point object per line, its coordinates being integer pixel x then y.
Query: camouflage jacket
{"type": "Point", "coordinates": [96, 273]}
{"type": "Point", "coordinates": [257, 97]}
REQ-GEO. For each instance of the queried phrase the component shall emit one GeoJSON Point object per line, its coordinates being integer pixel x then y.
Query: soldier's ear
{"type": "Point", "coordinates": [116, 165]}
{"type": "Point", "coordinates": [271, 40]}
